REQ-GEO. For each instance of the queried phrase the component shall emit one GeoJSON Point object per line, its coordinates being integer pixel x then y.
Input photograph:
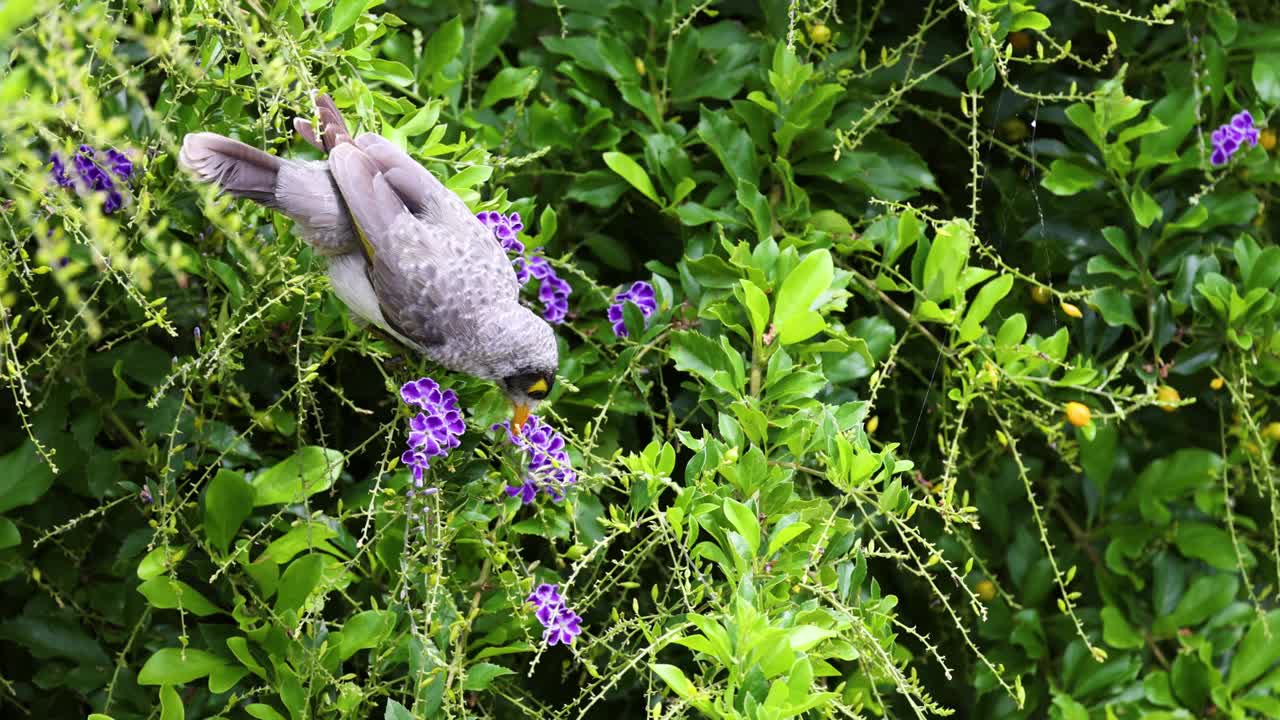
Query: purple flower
{"type": "Point", "coordinates": [549, 469]}
{"type": "Point", "coordinates": [563, 628]}
{"type": "Point", "coordinates": [639, 294]}
{"type": "Point", "coordinates": [562, 624]}
{"type": "Point", "coordinates": [504, 228]}
{"type": "Point", "coordinates": [434, 432]}
{"type": "Point", "coordinates": [59, 171]}
{"type": "Point", "coordinates": [120, 164]}
{"type": "Point", "coordinates": [552, 291]}
{"type": "Point", "coordinates": [1228, 138]}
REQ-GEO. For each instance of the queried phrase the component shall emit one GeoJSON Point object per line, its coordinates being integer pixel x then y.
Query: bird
{"type": "Point", "coordinates": [404, 253]}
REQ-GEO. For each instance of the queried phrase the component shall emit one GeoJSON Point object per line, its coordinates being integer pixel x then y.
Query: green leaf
{"type": "Point", "coordinates": [345, 15]}
{"type": "Point", "coordinates": [9, 535]}
{"type": "Point", "coordinates": [309, 471]}
{"type": "Point", "coordinates": [784, 534]}
{"type": "Point", "coordinates": [1209, 543]}
{"type": "Point", "coordinates": [167, 594]}
{"type": "Point", "coordinates": [1068, 177]}
{"type": "Point", "coordinates": [1266, 77]}
{"type": "Point", "coordinates": [480, 675]}
{"type": "Point", "coordinates": [698, 354]}
{"type": "Point", "coordinates": [510, 83]}
{"type": "Point", "coordinates": [1029, 20]}
{"type": "Point", "coordinates": [794, 314]}
{"type": "Point", "coordinates": [171, 707]}
{"type": "Point", "coordinates": [363, 631]}
{"type": "Point", "coordinates": [227, 503]}
{"type": "Point", "coordinates": [947, 259]}
{"type": "Point", "coordinates": [745, 522]}
{"type": "Point", "coordinates": [631, 171]}
{"type": "Point", "coordinates": [990, 294]}
{"type": "Point", "coordinates": [262, 711]}
{"type": "Point", "coordinates": [1256, 653]}
{"type": "Point", "coordinates": [396, 711]}
{"type": "Point", "coordinates": [757, 305]}
{"type": "Point", "coordinates": [14, 13]}
{"type": "Point", "coordinates": [24, 477]}
{"type": "Point", "coordinates": [390, 71]}
{"type": "Point", "coordinates": [175, 666]}
{"type": "Point", "coordinates": [1117, 632]}
{"type": "Point", "coordinates": [1145, 209]}
{"type": "Point", "coordinates": [676, 680]}
{"type": "Point", "coordinates": [443, 47]}
{"type": "Point", "coordinates": [1115, 307]}
{"type": "Point", "coordinates": [298, 581]}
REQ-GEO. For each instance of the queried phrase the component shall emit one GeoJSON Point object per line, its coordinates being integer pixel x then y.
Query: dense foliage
{"type": "Point", "coordinates": [952, 389]}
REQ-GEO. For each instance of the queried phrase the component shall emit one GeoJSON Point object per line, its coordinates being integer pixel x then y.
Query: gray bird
{"type": "Point", "coordinates": [404, 252]}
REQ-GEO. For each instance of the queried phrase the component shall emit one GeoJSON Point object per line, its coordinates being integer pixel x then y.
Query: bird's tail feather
{"type": "Point", "coordinates": [333, 129]}
{"type": "Point", "coordinates": [235, 167]}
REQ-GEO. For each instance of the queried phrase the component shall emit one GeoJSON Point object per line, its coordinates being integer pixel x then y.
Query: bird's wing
{"type": "Point", "coordinates": [436, 205]}
{"type": "Point", "coordinates": [397, 246]}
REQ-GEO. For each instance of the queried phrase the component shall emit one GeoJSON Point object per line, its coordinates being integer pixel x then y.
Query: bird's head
{"type": "Point", "coordinates": [525, 390]}
{"type": "Point", "coordinates": [530, 366]}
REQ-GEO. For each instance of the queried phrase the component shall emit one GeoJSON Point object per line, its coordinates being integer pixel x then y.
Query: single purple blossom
{"type": "Point", "coordinates": [120, 164]}
{"type": "Point", "coordinates": [59, 171]}
{"type": "Point", "coordinates": [549, 468]}
{"type": "Point", "coordinates": [639, 294]}
{"type": "Point", "coordinates": [563, 627]}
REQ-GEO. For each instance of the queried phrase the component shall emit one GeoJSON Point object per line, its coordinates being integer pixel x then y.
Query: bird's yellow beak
{"type": "Point", "coordinates": [519, 416]}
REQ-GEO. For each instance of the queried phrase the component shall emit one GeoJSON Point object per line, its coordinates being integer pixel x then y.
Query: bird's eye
{"type": "Point", "coordinates": [538, 389]}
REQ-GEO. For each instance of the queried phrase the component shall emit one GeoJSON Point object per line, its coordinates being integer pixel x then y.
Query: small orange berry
{"type": "Point", "coordinates": [986, 591]}
{"type": "Point", "coordinates": [1268, 139]}
{"type": "Point", "coordinates": [1020, 41]}
{"type": "Point", "coordinates": [820, 34]}
{"type": "Point", "coordinates": [1168, 398]}
{"type": "Point", "coordinates": [1217, 383]}
{"type": "Point", "coordinates": [1079, 414]}
{"type": "Point", "coordinates": [1041, 294]}
{"type": "Point", "coordinates": [1071, 310]}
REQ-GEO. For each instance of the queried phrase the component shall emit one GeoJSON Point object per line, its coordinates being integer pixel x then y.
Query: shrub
{"type": "Point", "coordinates": [917, 359]}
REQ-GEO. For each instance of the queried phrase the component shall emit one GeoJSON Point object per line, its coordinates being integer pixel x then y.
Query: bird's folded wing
{"type": "Point", "coordinates": [441, 209]}
{"type": "Point", "coordinates": [395, 243]}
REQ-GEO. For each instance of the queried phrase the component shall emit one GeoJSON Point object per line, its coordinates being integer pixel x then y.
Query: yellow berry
{"type": "Point", "coordinates": [1268, 139]}
{"type": "Point", "coordinates": [820, 34]}
{"type": "Point", "coordinates": [1041, 294]}
{"type": "Point", "coordinates": [1217, 383]}
{"type": "Point", "coordinates": [1079, 414]}
{"type": "Point", "coordinates": [1272, 431]}
{"type": "Point", "coordinates": [1071, 310]}
{"type": "Point", "coordinates": [872, 424]}
{"type": "Point", "coordinates": [1014, 130]}
{"type": "Point", "coordinates": [1168, 398]}
{"type": "Point", "coordinates": [640, 67]}
{"type": "Point", "coordinates": [986, 591]}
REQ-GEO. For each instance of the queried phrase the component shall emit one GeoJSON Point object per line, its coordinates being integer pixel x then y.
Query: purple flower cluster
{"type": "Point", "coordinates": [505, 228]}
{"type": "Point", "coordinates": [91, 174]}
{"type": "Point", "coordinates": [549, 468]}
{"type": "Point", "coordinates": [435, 430]}
{"type": "Point", "coordinates": [639, 294]}
{"type": "Point", "coordinates": [552, 290]}
{"type": "Point", "coordinates": [562, 624]}
{"type": "Point", "coordinates": [1229, 138]}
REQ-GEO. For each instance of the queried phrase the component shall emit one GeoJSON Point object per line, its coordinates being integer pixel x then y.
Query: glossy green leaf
{"type": "Point", "coordinates": [309, 471]}
{"type": "Point", "coordinates": [227, 503]}
{"type": "Point", "coordinates": [631, 171]}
